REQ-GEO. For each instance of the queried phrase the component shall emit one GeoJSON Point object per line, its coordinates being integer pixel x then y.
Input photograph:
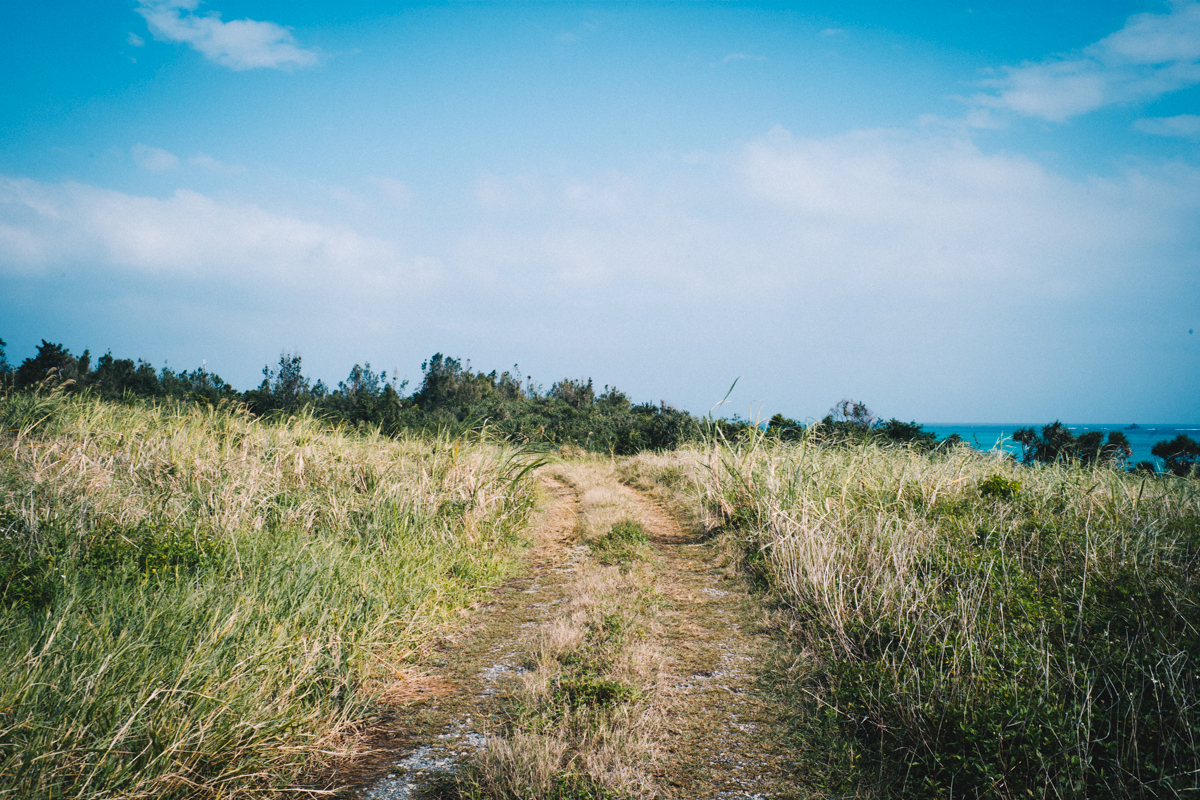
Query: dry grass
{"type": "Point", "coordinates": [1038, 642]}
{"type": "Point", "coordinates": [196, 600]}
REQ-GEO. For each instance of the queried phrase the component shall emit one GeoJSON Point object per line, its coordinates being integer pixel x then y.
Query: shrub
{"type": "Point", "coordinates": [999, 487]}
{"type": "Point", "coordinates": [621, 543]}
{"type": "Point", "coordinates": [1181, 455]}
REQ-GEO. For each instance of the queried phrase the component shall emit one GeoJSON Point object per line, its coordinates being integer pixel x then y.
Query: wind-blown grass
{"type": "Point", "coordinates": [196, 603]}
{"type": "Point", "coordinates": [962, 625]}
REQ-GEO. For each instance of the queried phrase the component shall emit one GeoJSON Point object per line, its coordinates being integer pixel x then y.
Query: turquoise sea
{"type": "Point", "coordinates": [988, 436]}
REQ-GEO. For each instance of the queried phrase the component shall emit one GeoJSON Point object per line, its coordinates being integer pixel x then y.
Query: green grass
{"type": "Point", "coordinates": [194, 603]}
{"type": "Point", "coordinates": [625, 541]}
{"type": "Point", "coordinates": [962, 625]}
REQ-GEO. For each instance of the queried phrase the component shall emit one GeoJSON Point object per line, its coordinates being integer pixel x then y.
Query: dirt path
{"type": "Point", "coordinates": [725, 738]}
{"type": "Point", "coordinates": [715, 735]}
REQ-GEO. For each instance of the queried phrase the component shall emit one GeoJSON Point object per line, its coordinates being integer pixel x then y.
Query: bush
{"type": "Point", "coordinates": [1057, 443]}
{"type": "Point", "coordinates": [622, 542]}
{"type": "Point", "coordinates": [1181, 455]}
{"type": "Point", "coordinates": [999, 487]}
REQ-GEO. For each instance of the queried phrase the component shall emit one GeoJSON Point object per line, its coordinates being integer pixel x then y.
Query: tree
{"type": "Point", "coordinates": [1181, 455]}
{"type": "Point", "coordinates": [785, 428]}
{"type": "Point", "coordinates": [1093, 449]}
{"type": "Point", "coordinates": [1057, 443]}
{"type": "Point", "coordinates": [852, 412]}
{"type": "Point", "coordinates": [450, 387]}
{"type": "Point", "coordinates": [52, 361]}
{"type": "Point", "coordinates": [198, 384]}
{"type": "Point", "coordinates": [574, 393]}
{"type": "Point", "coordinates": [442, 382]}
{"type": "Point", "coordinates": [362, 383]}
{"type": "Point", "coordinates": [114, 377]}
{"type": "Point", "coordinates": [907, 433]}
{"type": "Point", "coordinates": [284, 389]}
{"type": "Point", "coordinates": [849, 421]}
{"type": "Point", "coordinates": [4, 367]}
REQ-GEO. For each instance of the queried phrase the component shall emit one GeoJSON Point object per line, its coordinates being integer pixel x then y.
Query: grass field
{"type": "Point", "coordinates": [197, 603]}
{"type": "Point", "coordinates": [959, 625]}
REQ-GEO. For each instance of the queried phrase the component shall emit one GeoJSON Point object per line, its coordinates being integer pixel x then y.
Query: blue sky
{"type": "Point", "coordinates": [954, 212]}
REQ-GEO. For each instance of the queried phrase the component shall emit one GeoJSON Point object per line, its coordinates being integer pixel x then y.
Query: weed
{"type": "Point", "coordinates": [999, 487]}
{"type": "Point", "coordinates": [589, 690]}
{"type": "Point", "coordinates": [192, 602]}
{"type": "Point", "coordinates": [624, 542]}
{"type": "Point", "coordinates": [970, 626]}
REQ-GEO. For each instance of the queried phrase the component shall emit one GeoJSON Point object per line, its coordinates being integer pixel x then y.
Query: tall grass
{"type": "Point", "coordinates": [197, 604]}
{"type": "Point", "coordinates": [965, 626]}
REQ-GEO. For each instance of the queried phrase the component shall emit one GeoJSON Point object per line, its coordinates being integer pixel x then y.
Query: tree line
{"type": "Point", "coordinates": [451, 395]}
{"type": "Point", "coordinates": [572, 412]}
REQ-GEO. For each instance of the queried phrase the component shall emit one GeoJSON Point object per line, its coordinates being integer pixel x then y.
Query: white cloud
{"type": "Point", "coordinates": [186, 235]}
{"type": "Point", "coordinates": [1152, 55]}
{"type": "Point", "coordinates": [205, 161]}
{"type": "Point", "coordinates": [396, 191]}
{"type": "Point", "coordinates": [741, 57]}
{"type": "Point", "coordinates": [496, 193]}
{"type": "Point", "coordinates": [1183, 125]}
{"type": "Point", "coordinates": [898, 214]}
{"type": "Point", "coordinates": [238, 44]}
{"type": "Point", "coordinates": [878, 209]}
{"type": "Point", "coordinates": [154, 159]}
{"type": "Point", "coordinates": [136, 40]}
{"type": "Point", "coordinates": [881, 264]}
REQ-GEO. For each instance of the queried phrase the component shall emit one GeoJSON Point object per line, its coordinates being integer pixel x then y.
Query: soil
{"type": "Point", "coordinates": [723, 736]}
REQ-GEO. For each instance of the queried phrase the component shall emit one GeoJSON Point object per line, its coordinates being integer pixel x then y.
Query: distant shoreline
{"type": "Point", "coordinates": [986, 435]}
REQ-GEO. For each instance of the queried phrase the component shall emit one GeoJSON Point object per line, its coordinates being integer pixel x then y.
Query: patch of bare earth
{"type": "Point", "coordinates": [438, 713]}
{"type": "Point", "coordinates": [704, 728]}
{"type": "Point", "coordinates": [725, 738]}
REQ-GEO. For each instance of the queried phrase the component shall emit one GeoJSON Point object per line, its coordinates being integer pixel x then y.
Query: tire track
{"type": "Point", "coordinates": [444, 711]}
{"type": "Point", "coordinates": [721, 737]}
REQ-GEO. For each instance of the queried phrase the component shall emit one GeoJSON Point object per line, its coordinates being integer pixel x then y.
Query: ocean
{"type": "Point", "coordinates": [988, 436]}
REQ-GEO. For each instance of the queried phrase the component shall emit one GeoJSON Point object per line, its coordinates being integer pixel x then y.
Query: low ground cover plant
{"type": "Point", "coordinates": [625, 541]}
{"type": "Point", "coordinates": [196, 603]}
{"type": "Point", "coordinates": [965, 625]}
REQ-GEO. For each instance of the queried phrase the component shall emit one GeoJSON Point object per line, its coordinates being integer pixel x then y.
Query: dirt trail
{"type": "Point", "coordinates": [725, 738]}
{"type": "Point", "coordinates": [720, 737]}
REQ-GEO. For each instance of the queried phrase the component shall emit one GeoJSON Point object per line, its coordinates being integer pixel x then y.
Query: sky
{"type": "Point", "coordinates": [952, 211]}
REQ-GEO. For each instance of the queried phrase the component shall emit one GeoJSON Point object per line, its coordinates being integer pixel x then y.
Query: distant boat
{"type": "Point", "coordinates": [1132, 427]}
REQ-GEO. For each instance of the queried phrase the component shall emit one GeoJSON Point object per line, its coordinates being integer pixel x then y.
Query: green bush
{"type": "Point", "coordinates": [151, 548]}
{"type": "Point", "coordinates": [26, 581]}
{"type": "Point", "coordinates": [623, 542]}
{"type": "Point", "coordinates": [590, 690]}
{"type": "Point", "coordinates": [999, 487]}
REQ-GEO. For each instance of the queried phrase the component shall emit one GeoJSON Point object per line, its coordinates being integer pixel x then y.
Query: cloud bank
{"type": "Point", "coordinates": [1186, 126]}
{"type": "Point", "coordinates": [909, 268]}
{"type": "Point", "coordinates": [239, 44]}
{"type": "Point", "coordinates": [154, 159]}
{"type": "Point", "coordinates": [187, 236]}
{"type": "Point", "coordinates": [1152, 55]}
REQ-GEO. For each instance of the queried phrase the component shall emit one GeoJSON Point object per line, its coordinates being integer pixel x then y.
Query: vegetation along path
{"type": "Point", "coordinates": [620, 663]}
